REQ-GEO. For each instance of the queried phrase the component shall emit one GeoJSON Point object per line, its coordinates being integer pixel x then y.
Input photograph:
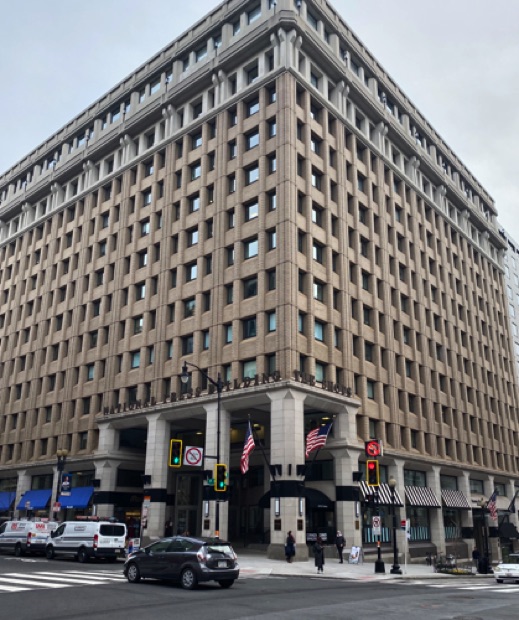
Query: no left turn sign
{"type": "Point", "coordinates": [193, 456]}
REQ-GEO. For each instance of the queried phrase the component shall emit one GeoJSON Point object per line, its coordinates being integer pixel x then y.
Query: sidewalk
{"type": "Point", "coordinates": [255, 564]}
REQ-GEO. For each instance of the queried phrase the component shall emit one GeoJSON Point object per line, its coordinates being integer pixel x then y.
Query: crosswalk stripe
{"type": "Point", "coordinates": [12, 589]}
{"type": "Point", "coordinates": [26, 582]}
{"type": "Point", "coordinates": [60, 578]}
{"type": "Point", "coordinates": [99, 576]}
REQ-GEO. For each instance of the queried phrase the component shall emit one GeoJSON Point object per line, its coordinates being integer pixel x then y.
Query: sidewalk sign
{"type": "Point", "coordinates": [355, 555]}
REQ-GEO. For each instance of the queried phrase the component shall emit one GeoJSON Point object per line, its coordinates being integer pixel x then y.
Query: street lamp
{"type": "Point", "coordinates": [484, 563]}
{"type": "Point", "coordinates": [395, 569]}
{"type": "Point", "coordinates": [61, 455]}
{"type": "Point", "coordinates": [218, 384]}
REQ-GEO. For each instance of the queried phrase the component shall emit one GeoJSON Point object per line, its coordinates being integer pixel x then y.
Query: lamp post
{"type": "Point", "coordinates": [484, 563]}
{"type": "Point", "coordinates": [395, 569]}
{"type": "Point", "coordinates": [218, 384]}
{"type": "Point", "coordinates": [61, 455]}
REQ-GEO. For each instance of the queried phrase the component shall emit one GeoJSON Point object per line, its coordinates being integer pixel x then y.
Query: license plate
{"type": "Point", "coordinates": [222, 564]}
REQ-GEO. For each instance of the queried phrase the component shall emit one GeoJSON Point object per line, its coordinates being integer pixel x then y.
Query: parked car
{"type": "Point", "coordinates": [189, 560]}
{"type": "Point", "coordinates": [87, 539]}
{"type": "Point", "coordinates": [21, 537]}
{"type": "Point", "coordinates": [508, 570]}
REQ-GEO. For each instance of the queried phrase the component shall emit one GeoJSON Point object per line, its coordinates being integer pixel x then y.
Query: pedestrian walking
{"type": "Point", "coordinates": [290, 547]}
{"type": "Point", "coordinates": [319, 554]}
{"type": "Point", "coordinates": [340, 541]}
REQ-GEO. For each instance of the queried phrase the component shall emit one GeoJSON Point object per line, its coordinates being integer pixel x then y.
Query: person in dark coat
{"type": "Point", "coordinates": [319, 554]}
{"type": "Point", "coordinates": [340, 541]}
{"type": "Point", "coordinates": [290, 547]}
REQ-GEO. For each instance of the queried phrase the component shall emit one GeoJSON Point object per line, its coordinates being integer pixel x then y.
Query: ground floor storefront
{"type": "Point", "coordinates": [437, 508]}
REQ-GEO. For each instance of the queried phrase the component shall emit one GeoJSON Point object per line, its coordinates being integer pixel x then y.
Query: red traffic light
{"type": "Point", "coordinates": [373, 473]}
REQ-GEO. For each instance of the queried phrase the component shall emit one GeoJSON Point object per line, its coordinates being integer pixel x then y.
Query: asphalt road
{"type": "Point", "coordinates": [37, 589]}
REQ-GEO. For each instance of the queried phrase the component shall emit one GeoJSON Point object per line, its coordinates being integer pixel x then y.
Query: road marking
{"type": "Point", "coordinates": [27, 582]}
{"type": "Point", "coordinates": [19, 582]}
{"type": "Point", "coordinates": [56, 577]}
{"type": "Point", "coordinates": [97, 576]}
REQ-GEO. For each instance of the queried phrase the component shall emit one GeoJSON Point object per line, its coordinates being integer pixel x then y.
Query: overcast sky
{"type": "Point", "coordinates": [457, 60]}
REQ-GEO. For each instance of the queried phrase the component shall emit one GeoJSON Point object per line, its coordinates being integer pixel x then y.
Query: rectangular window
{"type": "Point", "coordinates": [271, 321]}
{"type": "Point", "coordinates": [191, 272]}
{"type": "Point", "coordinates": [227, 330]}
{"type": "Point", "coordinates": [250, 248]}
{"type": "Point", "coordinates": [253, 107]}
{"type": "Point", "coordinates": [249, 327]}
{"type": "Point", "coordinates": [252, 140]}
{"type": "Point", "coordinates": [251, 210]}
{"type": "Point", "coordinates": [196, 171]}
{"type": "Point", "coordinates": [194, 203]}
{"type": "Point", "coordinates": [254, 14]}
{"type": "Point", "coordinates": [251, 174]}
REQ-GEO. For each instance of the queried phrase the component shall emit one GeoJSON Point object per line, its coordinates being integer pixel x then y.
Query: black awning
{"type": "Point", "coordinates": [508, 530]}
{"type": "Point", "coordinates": [315, 500]}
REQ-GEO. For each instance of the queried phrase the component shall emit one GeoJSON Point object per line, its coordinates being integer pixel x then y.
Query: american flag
{"type": "Point", "coordinates": [316, 439]}
{"type": "Point", "coordinates": [248, 447]}
{"type": "Point", "coordinates": [492, 505]}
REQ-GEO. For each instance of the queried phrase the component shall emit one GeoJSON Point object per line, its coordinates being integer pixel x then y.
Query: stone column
{"type": "Point", "coordinates": [436, 514]}
{"type": "Point", "coordinates": [23, 484]}
{"type": "Point", "coordinates": [106, 473]}
{"type": "Point", "coordinates": [211, 450]}
{"type": "Point", "coordinates": [287, 452]}
{"type": "Point", "coordinates": [157, 450]}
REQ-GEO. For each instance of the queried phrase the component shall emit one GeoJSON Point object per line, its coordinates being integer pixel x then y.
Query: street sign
{"type": "Point", "coordinates": [193, 456]}
{"type": "Point", "coordinates": [375, 525]}
{"type": "Point", "coordinates": [373, 448]}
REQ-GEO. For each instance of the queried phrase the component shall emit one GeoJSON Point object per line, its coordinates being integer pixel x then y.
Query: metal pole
{"type": "Point", "coordinates": [218, 401]}
{"type": "Point", "coordinates": [60, 467]}
{"type": "Point", "coordinates": [395, 569]}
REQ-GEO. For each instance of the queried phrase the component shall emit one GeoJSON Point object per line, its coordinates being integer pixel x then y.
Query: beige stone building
{"type": "Point", "coordinates": [261, 200]}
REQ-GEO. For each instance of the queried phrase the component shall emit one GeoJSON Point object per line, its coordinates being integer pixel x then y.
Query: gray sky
{"type": "Point", "coordinates": [457, 60]}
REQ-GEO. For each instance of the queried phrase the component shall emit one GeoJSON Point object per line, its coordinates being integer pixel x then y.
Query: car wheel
{"type": "Point", "coordinates": [18, 551]}
{"type": "Point", "coordinates": [226, 583]}
{"type": "Point", "coordinates": [133, 574]}
{"type": "Point", "coordinates": [188, 579]}
{"type": "Point", "coordinates": [499, 580]}
{"type": "Point", "coordinates": [82, 556]}
{"type": "Point", "coordinates": [49, 553]}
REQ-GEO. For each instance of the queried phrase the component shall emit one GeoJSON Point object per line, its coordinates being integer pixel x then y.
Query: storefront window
{"type": "Point", "coordinates": [452, 523]}
{"type": "Point", "coordinates": [419, 523]}
{"type": "Point", "coordinates": [413, 478]}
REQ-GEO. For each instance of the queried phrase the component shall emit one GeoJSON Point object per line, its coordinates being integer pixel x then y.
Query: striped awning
{"type": "Point", "coordinates": [421, 496]}
{"type": "Point", "coordinates": [384, 494]}
{"type": "Point", "coordinates": [455, 499]}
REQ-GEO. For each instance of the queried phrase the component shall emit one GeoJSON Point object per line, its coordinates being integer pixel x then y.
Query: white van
{"type": "Point", "coordinates": [87, 539]}
{"type": "Point", "coordinates": [20, 537]}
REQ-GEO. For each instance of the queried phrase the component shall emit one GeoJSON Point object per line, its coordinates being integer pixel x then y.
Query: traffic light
{"type": "Point", "coordinates": [175, 453]}
{"type": "Point", "coordinates": [373, 448]}
{"type": "Point", "coordinates": [373, 473]}
{"type": "Point", "coordinates": [220, 477]}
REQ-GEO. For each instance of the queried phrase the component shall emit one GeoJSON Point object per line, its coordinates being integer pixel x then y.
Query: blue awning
{"type": "Point", "coordinates": [37, 500]}
{"type": "Point", "coordinates": [79, 497]}
{"type": "Point", "coordinates": [6, 499]}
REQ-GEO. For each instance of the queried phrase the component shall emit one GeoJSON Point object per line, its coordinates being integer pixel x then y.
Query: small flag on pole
{"type": "Point", "coordinates": [511, 508]}
{"type": "Point", "coordinates": [492, 505]}
{"type": "Point", "coordinates": [248, 447]}
{"type": "Point", "coordinates": [316, 439]}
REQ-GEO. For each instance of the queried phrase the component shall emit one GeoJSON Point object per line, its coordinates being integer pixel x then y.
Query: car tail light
{"type": "Point", "coordinates": [201, 555]}
{"type": "Point", "coordinates": [96, 541]}
{"type": "Point", "coordinates": [29, 539]}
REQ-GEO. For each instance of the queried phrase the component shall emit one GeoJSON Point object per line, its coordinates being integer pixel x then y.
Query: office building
{"type": "Point", "coordinates": [262, 201]}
